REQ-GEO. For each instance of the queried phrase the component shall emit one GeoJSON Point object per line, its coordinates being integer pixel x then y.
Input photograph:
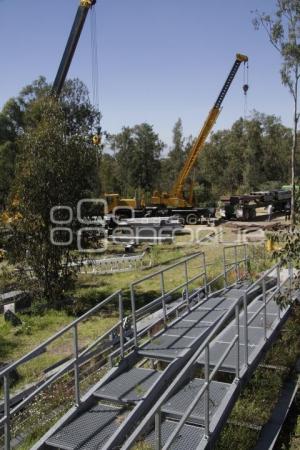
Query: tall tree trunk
{"type": "Point", "coordinates": [293, 158]}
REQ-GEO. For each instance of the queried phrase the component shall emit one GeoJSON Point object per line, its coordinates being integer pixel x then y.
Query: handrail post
{"type": "Point", "coordinates": [158, 430]}
{"type": "Point", "coordinates": [207, 391]}
{"type": "Point", "coordinates": [224, 266]}
{"type": "Point", "coordinates": [6, 411]}
{"type": "Point", "coordinates": [246, 258]}
{"type": "Point", "coordinates": [162, 288]}
{"type": "Point", "coordinates": [278, 287]}
{"type": "Point", "coordinates": [236, 264]}
{"type": "Point", "coordinates": [237, 323]}
{"type": "Point", "coordinates": [133, 315]}
{"type": "Point", "coordinates": [205, 275]}
{"type": "Point", "coordinates": [246, 328]}
{"type": "Point", "coordinates": [121, 315]}
{"type": "Point", "coordinates": [187, 285]}
{"type": "Point", "coordinates": [291, 274]}
{"type": "Point", "coordinates": [76, 366]}
{"type": "Point", "coordinates": [265, 307]}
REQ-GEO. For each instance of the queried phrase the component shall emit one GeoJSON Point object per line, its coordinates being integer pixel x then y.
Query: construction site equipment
{"type": "Point", "coordinates": [124, 207]}
{"type": "Point", "coordinates": [244, 206]}
{"type": "Point", "coordinates": [79, 21]}
{"type": "Point", "coordinates": [174, 203]}
{"type": "Point", "coordinates": [147, 229]}
{"type": "Point", "coordinates": [176, 197]}
{"type": "Point", "coordinates": [72, 42]}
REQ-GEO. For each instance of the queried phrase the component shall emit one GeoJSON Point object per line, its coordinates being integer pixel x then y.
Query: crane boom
{"type": "Point", "coordinates": [74, 36]}
{"type": "Point", "coordinates": [177, 190]}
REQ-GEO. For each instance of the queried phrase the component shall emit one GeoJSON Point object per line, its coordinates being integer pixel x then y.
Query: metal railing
{"type": "Point", "coordinates": [239, 260]}
{"type": "Point", "coordinates": [72, 365]}
{"type": "Point", "coordinates": [240, 311]}
{"type": "Point", "coordinates": [78, 358]}
{"type": "Point", "coordinates": [206, 287]}
{"type": "Point", "coordinates": [164, 294]}
{"type": "Point", "coordinates": [115, 264]}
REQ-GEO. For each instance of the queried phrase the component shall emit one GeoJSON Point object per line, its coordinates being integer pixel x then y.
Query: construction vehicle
{"type": "Point", "coordinates": [174, 203]}
{"type": "Point", "coordinates": [244, 206]}
{"type": "Point", "coordinates": [176, 197]}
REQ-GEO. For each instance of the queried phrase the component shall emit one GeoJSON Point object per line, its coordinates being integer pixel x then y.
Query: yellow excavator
{"type": "Point", "coordinates": [176, 197]}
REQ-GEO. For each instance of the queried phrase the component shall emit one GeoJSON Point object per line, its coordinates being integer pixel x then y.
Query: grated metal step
{"type": "Point", "coordinates": [166, 347]}
{"type": "Point", "coordinates": [188, 328]}
{"type": "Point", "coordinates": [255, 336]}
{"type": "Point", "coordinates": [217, 351]}
{"type": "Point", "coordinates": [88, 431]}
{"type": "Point", "coordinates": [188, 438]}
{"type": "Point", "coordinates": [176, 406]}
{"type": "Point", "coordinates": [214, 303]}
{"type": "Point", "coordinates": [129, 387]}
{"type": "Point", "coordinates": [272, 307]}
{"type": "Point", "coordinates": [259, 319]}
{"type": "Point", "coordinates": [209, 316]}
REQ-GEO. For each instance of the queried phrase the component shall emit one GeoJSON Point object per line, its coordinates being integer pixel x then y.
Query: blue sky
{"type": "Point", "coordinates": [158, 59]}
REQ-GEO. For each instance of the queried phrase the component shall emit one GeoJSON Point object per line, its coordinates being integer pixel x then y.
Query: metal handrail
{"type": "Point", "coordinates": [147, 277]}
{"type": "Point", "coordinates": [180, 377]}
{"type": "Point", "coordinates": [73, 363]}
{"type": "Point", "coordinates": [265, 274]}
{"type": "Point", "coordinates": [208, 379]}
{"type": "Point", "coordinates": [40, 347]}
{"type": "Point", "coordinates": [155, 410]}
{"type": "Point", "coordinates": [162, 298]}
{"type": "Point", "coordinates": [131, 344]}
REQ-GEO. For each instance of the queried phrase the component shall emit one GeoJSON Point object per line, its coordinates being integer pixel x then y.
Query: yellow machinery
{"type": "Point", "coordinates": [176, 198]}
{"type": "Point", "coordinates": [114, 201]}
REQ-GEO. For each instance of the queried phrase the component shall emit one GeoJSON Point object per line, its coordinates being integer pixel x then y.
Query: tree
{"type": "Point", "coordinates": [7, 156]}
{"type": "Point", "coordinates": [177, 154]}
{"type": "Point", "coordinates": [253, 174]}
{"type": "Point", "coordinates": [108, 174]}
{"type": "Point", "coordinates": [137, 152]}
{"type": "Point", "coordinates": [253, 154]}
{"type": "Point", "coordinates": [283, 30]}
{"type": "Point", "coordinates": [23, 112]}
{"type": "Point", "coordinates": [54, 169]}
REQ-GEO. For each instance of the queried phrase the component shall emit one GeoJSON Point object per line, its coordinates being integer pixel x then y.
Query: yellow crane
{"type": "Point", "coordinates": [176, 197]}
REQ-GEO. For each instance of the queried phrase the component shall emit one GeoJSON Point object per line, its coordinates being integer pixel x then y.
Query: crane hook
{"type": "Point", "coordinates": [97, 137]}
{"type": "Point", "coordinates": [245, 88]}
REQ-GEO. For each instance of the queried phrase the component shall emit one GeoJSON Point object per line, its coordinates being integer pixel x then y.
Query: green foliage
{"type": "Point", "coordinates": [288, 245]}
{"type": "Point", "coordinates": [137, 152]}
{"type": "Point", "coordinates": [249, 155]}
{"type": "Point", "coordinates": [52, 170]}
{"type": "Point", "coordinates": [176, 156]}
{"type": "Point", "coordinates": [23, 112]}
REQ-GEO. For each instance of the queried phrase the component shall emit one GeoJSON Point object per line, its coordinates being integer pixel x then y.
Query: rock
{"type": "Point", "coordinates": [9, 316]}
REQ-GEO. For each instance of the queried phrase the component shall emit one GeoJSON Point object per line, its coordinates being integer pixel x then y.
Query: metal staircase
{"type": "Point", "coordinates": [162, 385]}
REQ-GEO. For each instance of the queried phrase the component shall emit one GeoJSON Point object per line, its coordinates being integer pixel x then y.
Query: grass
{"type": "Point", "coordinates": [17, 341]}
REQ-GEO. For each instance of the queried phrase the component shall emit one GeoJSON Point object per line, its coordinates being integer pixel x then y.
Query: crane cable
{"type": "Point", "coordinates": [95, 74]}
{"type": "Point", "coordinates": [246, 87]}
